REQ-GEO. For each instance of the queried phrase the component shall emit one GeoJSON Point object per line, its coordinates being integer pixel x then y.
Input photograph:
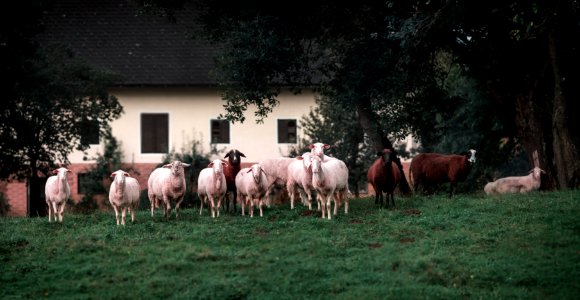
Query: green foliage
{"type": "Point", "coordinates": [333, 123]}
{"type": "Point", "coordinates": [513, 246]}
{"type": "Point", "coordinates": [94, 181]}
{"type": "Point", "coordinates": [198, 161]}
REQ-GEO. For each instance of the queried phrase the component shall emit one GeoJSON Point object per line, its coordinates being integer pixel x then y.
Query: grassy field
{"type": "Point", "coordinates": [471, 246]}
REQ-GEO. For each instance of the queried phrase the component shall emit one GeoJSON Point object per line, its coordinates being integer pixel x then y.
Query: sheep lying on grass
{"type": "Point", "coordinates": [124, 195]}
{"type": "Point", "coordinates": [515, 184]}
{"type": "Point", "coordinates": [167, 184]}
{"type": "Point", "coordinates": [57, 192]}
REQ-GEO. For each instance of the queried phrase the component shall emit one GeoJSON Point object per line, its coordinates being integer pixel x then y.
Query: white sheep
{"type": "Point", "coordinates": [167, 184]}
{"type": "Point", "coordinates": [252, 186]}
{"type": "Point", "coordinates": [330, 179]}
{"type": "Point", "coordinates": [57, 192]}
{"type": "Point", "coordinates": [515, 184]}
{"type": "Point", "coordinates": [212, 186]}
{"type": "Point", "coordinates": [277, 170]}
{"type": "Point", "coordinates": [124, 195]}
{"type": "Point", "coordinates": [300, 179]}
{"type": "Point", "coordinates": [317, 149]}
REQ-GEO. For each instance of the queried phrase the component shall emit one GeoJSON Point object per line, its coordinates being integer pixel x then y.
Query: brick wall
{"type": "Point", "coordinates": [15, 193]}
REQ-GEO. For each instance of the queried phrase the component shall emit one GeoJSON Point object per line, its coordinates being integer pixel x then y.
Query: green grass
{"type": "Point", "coordinates": [471, 246]}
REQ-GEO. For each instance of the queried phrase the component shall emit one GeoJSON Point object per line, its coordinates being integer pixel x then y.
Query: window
{"type": "Point", "coordinates": [287, 131]}
{"type": "Point", "coordinates": [154, 133]}
{"type": "Point", "coordinates": [220, 131]}
{"type": "Point", "coordinates": [89, 132]}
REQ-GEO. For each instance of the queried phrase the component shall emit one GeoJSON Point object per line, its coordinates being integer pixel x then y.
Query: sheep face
{"type": "Point", "coordinates": [316, 164]}
{"type": "Point", "coordinates": [471, 156]}
{"type": "Point", "coordinates": [234, 156]}
{"type": "Point", "coordinates": [256, 170]}
{"type": "Point", "coordinates": [217, 166]}
{"type": "Point", "coordinates": [386, 156]}
{"type": "Point", "coordinates": [306, 160]}
{"type": "Point", "coordinates": [176, 167]}
{"type": "Point", "coordinates": [119, 176]}
{"type": "Point", "coordinates": [537, 173]}
{"type": "Point", "coordinates": [318, 149]}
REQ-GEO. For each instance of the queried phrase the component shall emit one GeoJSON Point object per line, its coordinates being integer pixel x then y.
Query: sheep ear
{"type": "Point", "coordinates": [299, 157]}
{"type": "Point", "coordinates": [379, 154]}
{"type": "Point", "coordinates": [227, 155]}
{"type": "Point", "coordinates": [249, 170]}
{"type": "Point", "coordinates": [326, 146]}
{"type": "Point", "coordinates": [185, 165]}
{"type": "Point", "coordinates": [167, 166]}
{"type": "Point", "coordinates": [210, 165]}
{"type": "Point", "coordinates": [311, 146]}
{"type": "Point", "coordinates": [55, 171]}
{"type": "Point", "coordinates": [112, 174]}
{"type": "Point", "coordinates": [126, 174]}
{"type": "Point", "coordinates": [242, 154]}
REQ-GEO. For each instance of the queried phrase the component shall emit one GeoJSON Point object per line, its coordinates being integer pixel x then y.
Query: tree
{"type": "Point", "coordinates": [332, 121]}
{"type": "Point", "coordinates": [383, 59]}
{"type": "Point", "coordinates": [50, 97]}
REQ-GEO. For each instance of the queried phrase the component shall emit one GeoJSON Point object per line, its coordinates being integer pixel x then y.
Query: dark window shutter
{"type": "Point", "coordinates": [154, 133]}
{"type": "Point", "coordinates": [220, 131]}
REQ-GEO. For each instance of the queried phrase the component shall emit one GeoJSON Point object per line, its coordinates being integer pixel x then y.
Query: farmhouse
{"type": "Point", "coordinates": [168, 97]}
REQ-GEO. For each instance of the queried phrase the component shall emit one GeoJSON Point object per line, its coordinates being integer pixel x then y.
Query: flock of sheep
{"type": "Point", "coordinates": [224, 182]}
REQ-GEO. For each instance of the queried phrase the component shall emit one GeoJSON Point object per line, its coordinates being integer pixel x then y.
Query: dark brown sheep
{"type": "Point", "coordinates": [430, 169]}
{"type": "Point", "coordinates": [230, 171]}
{"type": "Point", "coordinates": [384, 176]}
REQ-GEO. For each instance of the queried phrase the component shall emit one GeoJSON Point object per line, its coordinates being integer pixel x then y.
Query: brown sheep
{"type": "Point", "coordinates": [384, 176]}
{"type": "Point", "coordinates": [230, 171]}
{"type": "Point", "coordinates": [429, 169]}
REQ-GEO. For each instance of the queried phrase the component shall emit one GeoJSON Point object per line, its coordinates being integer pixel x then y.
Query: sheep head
{"type": "Point", "coordinates": [176, 167]}
{"type": "Point", "coordinates": [234, 156]}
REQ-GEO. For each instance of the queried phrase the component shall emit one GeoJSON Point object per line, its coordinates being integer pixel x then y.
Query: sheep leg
{"type": "Point", "coordinates": [309, 197]}
{"type": "Point", "coordinates": [55, 208]}
{"type": "Point", "coordinates": [292, 194]}
{"type": "Point", "coordinates": [116, 214]}
{"type": "Point", "coordinates": [124, 213]}
{"type": "Point", "coordinates": [49, 211]}
{"type": "Point", "coordinates": [260, 205]}
{"type": "Point", "coordinates": [61, 211]}
{"type": "Point", "coordinates": [251, 207]}
{"type": "Point", "coordinates": [322, 203]}
{"type": "Point", "coordinates": [219, 204]}
{"type": "Point", "coordinates": [201, 199]}
{"type": "Point", "coordinates": [177, 207]}
{"type": "Point", "coordinates": [235, 196]}
{"type": "Point", "coordinates": [212, 205]}
{"type": "Point", "coordinates": [132, 210]}
{"type": "Point", "coordinates": [329, 206]}
{"type": "Point", "coordinates": [152, 200]}
{"type": "Point", "coordinates": [243, 201]}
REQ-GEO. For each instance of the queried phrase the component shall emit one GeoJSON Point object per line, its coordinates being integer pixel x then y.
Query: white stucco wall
{"type": "Point", "coordinates": [190, 111]}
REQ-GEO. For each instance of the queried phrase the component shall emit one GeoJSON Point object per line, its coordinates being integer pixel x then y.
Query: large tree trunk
{"type": "Point", "coordinates": [36, 203]}
{"type": "Point", "coordinates": [370, 124]}
{"type": "Point", "coordinates": [530, 130]}
{"type": "Point", "coordinates": [566, 157]}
